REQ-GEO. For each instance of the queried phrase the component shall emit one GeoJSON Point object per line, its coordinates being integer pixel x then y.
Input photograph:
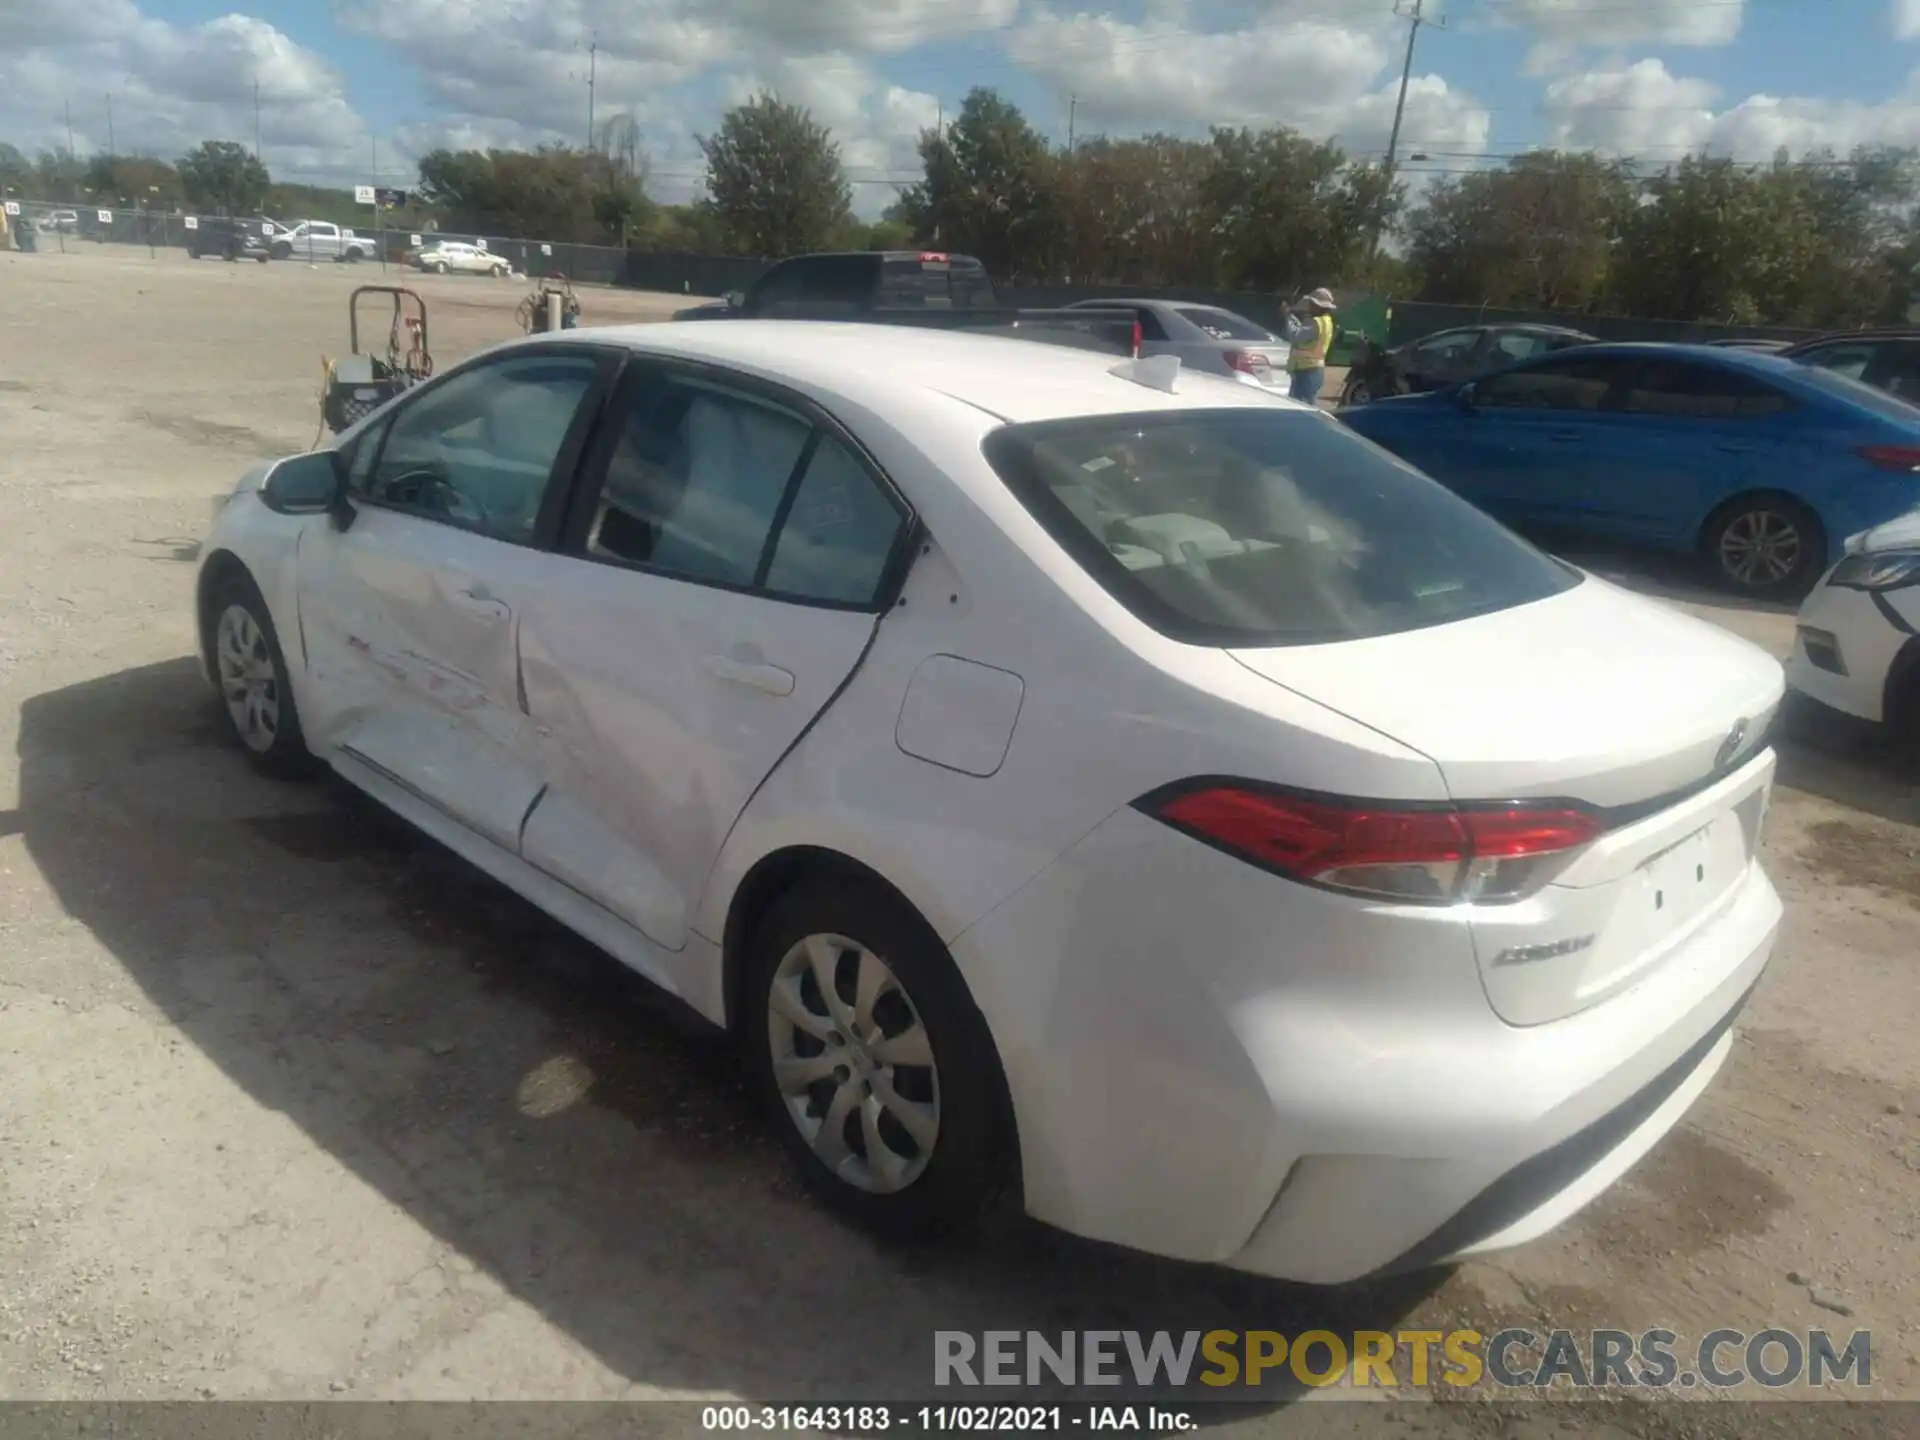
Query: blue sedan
{"type": "Point", "coordinates": [1762, 466]}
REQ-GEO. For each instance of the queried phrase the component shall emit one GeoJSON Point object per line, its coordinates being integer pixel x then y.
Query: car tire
{"type": "Point", "coordinates": [192, 253]}
{"type": "Point", "coordinates": [250, 673]}
{"type": "Point", "coordinates": [283, 252]}
{"type": "Point", "coordinates": [1764, 545]}
{"type": "Point", "coordinates": [260, 259]}
{"type": "Point", "coordinates": [814, 1060]}
{"type": "Point", "coordinates": [439, 267]}
{"type": "Point", "coordinates": [499, 272]}
{"type": "Point", "coordinates": [1357, 392]}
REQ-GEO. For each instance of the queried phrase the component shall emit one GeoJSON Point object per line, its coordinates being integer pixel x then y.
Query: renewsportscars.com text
{"type": "Point", "coordinates": [1508, 1359]}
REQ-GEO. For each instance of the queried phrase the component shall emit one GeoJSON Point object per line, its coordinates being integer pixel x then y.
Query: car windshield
{"type": "Point", "coordinates": [1857, 392]}
{"type": "Point", "coordinates": [1223, 324]}
{"type": "Point", "coordinates": [1264, 527]}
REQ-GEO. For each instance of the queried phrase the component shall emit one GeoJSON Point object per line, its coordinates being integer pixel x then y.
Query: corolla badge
{"type": "Point", "coordinates": [1730, 747]}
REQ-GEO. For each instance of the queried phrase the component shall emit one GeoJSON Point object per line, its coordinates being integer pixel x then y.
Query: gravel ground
{"type": "Point", "coordinates": [293, 1106]}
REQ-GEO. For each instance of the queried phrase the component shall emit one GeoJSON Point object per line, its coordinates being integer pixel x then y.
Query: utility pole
{"type": "Point", "coordinates": [69, 105]}
{"type": "Point", "coordinates": [256, 119]}
{"type": "Point", "coordinates": [1073, 112]}
{"type": "Point", "coordinates": [111, 149]}
{"type": "Point", "coordinates": [1415, 20]}
{"type": "Point", "coordinates": [593, 63]}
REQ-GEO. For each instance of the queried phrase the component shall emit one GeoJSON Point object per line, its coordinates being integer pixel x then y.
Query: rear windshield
{"type": "Point", "coordinates": [1264, 527]}
{"type": "Point", "coordinates": [1224, 324]}
{"type": "Point", "coordinates": [1844, 387]}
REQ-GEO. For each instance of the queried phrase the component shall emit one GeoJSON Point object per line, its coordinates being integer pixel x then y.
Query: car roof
{"type": "Point", "coordinates": [1842, 337]}
{"type": "Point", "coordinates": [894, 368]}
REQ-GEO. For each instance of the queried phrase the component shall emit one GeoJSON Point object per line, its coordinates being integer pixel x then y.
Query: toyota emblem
{"type": "Point", "coordinates": [1730, 747]}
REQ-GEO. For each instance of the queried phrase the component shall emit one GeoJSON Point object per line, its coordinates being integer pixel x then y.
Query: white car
{"type": "Point", "coordinates": [1121, 785]}
{"type": "Point", "coordinates": [1857, 644]}
{"type": "Point", "coordinates": [458, 257]}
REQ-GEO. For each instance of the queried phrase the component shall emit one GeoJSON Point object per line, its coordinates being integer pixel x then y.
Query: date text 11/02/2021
{"type": "Point", "coordinates": [935, 1419]}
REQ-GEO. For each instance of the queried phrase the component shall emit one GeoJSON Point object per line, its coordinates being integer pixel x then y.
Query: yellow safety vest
{"type": "Point", "coordinates": [1313, 354]}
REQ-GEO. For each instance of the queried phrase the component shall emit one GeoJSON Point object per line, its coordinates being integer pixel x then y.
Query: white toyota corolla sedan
{"type": "Point", "coordinates": [1119, 786]}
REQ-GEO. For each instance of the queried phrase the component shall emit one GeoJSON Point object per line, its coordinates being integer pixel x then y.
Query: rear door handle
{"type": "Point", "coordinates": [1737, 447]}
{"type": "Point", "coordinates": [754, 675]}
{"type": "Point", "coordinates": [1565, 437]}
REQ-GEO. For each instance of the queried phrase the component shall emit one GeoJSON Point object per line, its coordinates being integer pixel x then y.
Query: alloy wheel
{"type": "Point", "coordinates": [1760, 548]}
{"type": "Point", "coordinates": [248, 683]}
{"type": "Point", "coordinates": [853, 1063]}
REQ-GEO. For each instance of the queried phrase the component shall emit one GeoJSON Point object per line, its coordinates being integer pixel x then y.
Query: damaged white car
{"type": "Point", "coordinates": [1112, 784]}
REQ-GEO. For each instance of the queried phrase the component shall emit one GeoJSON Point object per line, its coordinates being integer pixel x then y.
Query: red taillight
{"type": "Point", "coordinates": [1487, 854]}
{"type": "Point", "coordinates": [1239, 360]}
{"type": "Point", "coordinates": [1891, 457]}
{"type": "Point", "coordinates": [1139, 338]}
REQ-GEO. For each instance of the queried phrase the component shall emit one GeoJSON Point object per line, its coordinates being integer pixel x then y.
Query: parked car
{"type": "Point", "coordinates": [1857, 645]}
{"type": "Point", "coordinates": [1207, 338]}
{"type": "Point", "coordinates": [1106, 780]}
{"type": "Point", "coordinates": [1743, 342]}
{"type": "Point", "coordinates": [848, 285]}
{"type": "Point", "coordinates": [1886, 359]}
{"type": "Point", "coordinates": [230, 239]}
{"type": "Point", "coordinates": [1448, 357]}
{"type": "Point", "coordinates": [67, 222]}
{"type": "Point", "coordinates": [1761, 465]}
{"type": "Point", "coordinates": [458, 257]}
{"type": "Point", "coordinates": [321, 240]}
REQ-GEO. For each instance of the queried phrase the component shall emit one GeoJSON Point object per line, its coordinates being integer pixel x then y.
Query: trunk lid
{"type": "Point", "coordinates": [1598, 696]}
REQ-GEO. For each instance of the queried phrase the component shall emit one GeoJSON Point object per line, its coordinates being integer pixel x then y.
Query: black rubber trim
{"type": "Point", "coordinates": [1894, 617]}
{"type": "Point", "coordinates": [1900, 700]}
{"type": "Point", "coordinates": [1529, 1185]}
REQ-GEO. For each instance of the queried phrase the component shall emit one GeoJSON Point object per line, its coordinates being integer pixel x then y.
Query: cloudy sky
{"type": "Point", "coordinates": [351, 90]}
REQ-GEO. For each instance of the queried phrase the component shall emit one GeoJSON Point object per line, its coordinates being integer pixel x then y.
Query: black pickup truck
{"type": "Point", "coordinates": [914, 287]}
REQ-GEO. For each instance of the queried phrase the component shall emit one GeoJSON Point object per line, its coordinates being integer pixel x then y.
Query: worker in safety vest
{"type": "Point", "coordinates": [1311, 339]}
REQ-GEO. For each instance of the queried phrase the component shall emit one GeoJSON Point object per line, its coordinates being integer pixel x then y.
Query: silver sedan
{"type": "Point", "coordinates": [1206, 337]}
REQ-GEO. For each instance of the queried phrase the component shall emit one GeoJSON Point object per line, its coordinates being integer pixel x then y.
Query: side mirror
{"type": "Point", "coordinates": [736, 299]}
{"type": "Point", "coordinates": [312, 484]}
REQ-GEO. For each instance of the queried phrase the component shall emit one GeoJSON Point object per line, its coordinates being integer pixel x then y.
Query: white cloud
{"type": "Point", "coordinates": [1321, 78]}
{"type": "Point", "coordinates": [1567, 26]}
{"type": "Point", "coordinates": [171, 85]}
{"type": "Point", "coordinates": [1644, 110]}
{"type": "Point", "coordinates": [1906, 19]}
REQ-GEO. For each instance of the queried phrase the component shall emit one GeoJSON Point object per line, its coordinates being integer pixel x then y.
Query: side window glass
{"type": "Point", "coordinates": [1848, 360]}
{"type": "Point", "coordinates": [366, 450]}
{"type": "Point", "coordinates": [1519, 347]}
{"type": "Point", "coordinates": [838, 536]}
{"type": "Point", "coordinates": [1903, 373]}
{"type": "Point", "coordinates": [695, 482]}
{"type": "Point", "coordinates": [477, 450]}
{"type": "Point", "coordinates": [1700, 392]}
{"type": "Point", "coordinates": [1559, 385]}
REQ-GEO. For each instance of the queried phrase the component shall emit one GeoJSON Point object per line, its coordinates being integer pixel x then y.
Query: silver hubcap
{"type": "Point", "coordinates": [1761, 547]}
{"type": "Point", "coordinates": [247, 681]}
{"type": "Point", "coordinates": [853, 1063]}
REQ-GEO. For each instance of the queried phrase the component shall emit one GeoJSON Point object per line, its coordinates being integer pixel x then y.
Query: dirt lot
{"type": "Point", "coordinates": [293, 1106]}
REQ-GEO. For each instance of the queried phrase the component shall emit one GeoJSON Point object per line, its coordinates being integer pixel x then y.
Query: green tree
{"type": "Point", "coordinates": [1288, 213]}
{"type": "Point", "coordinates": [223, 176]}
{"type": "Point", "coordinates": [988, 190]}
{"type": "Point", "coordinates": [1538, 233]}
{"type": "Point", "coordinates": [133, 180]}
{"type": "Point", "coordinates": [16, 171]}
{"type": "Point", "coordinates": [774, 179]}
{"type": "Point", "coordinates": [1132, 213]}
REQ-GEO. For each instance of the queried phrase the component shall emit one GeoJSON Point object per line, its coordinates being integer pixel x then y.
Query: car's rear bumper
{"type": "Point", "coordinates": [1212, 1063]}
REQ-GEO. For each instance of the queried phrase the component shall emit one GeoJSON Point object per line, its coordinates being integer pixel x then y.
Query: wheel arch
{"type": "Point", "coordinates": [220, 567]}
{"type": "Point", "coordinates": [777, 874]}
{"type": "Point", "coordinates": [1900, 707]}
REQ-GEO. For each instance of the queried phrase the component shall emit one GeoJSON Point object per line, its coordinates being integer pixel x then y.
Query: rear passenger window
{"type": "Point", "coordinates": [1702, 392]}
{"type": "Point", "coordinates": [1570, 384]}
{"type": "Point", "coordinates": [839, 535]}
{"type": "Point", "coordinates": [721, 486]}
